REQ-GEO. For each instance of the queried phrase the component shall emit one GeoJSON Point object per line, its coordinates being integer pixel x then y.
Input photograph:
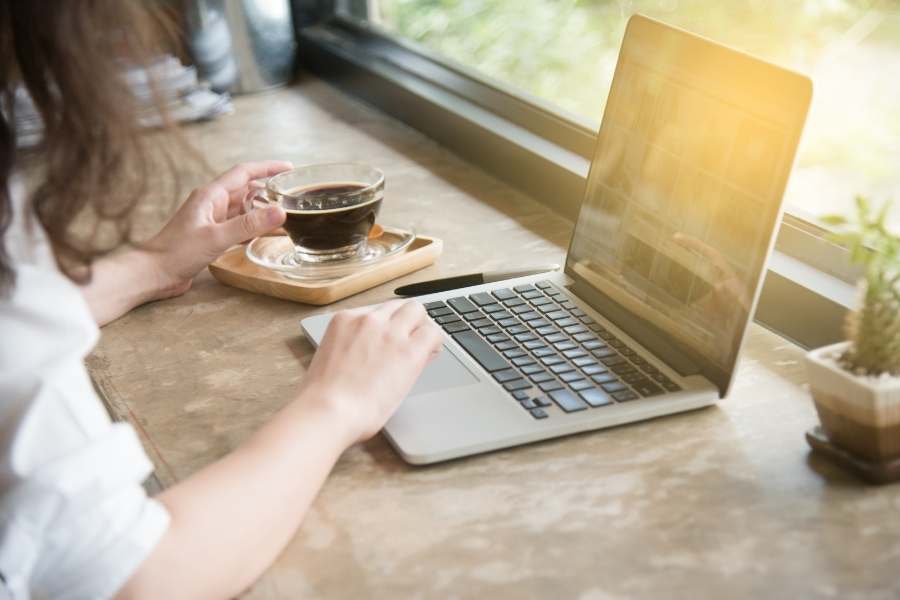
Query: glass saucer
{"type": "Point", "coordinates": [277, 253]}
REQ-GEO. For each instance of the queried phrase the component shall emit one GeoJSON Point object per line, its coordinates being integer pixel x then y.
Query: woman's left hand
{"type": "Point", "coordinates": [208, 223]}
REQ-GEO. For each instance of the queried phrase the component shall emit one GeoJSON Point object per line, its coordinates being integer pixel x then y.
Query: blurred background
{"type": "Point", "coordinates": [564, 52]}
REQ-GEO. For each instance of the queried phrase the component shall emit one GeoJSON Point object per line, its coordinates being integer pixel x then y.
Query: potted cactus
{"type": "Point", "coordinates": [856, 384]}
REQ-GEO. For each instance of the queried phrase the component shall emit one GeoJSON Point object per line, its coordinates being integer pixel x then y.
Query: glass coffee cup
{"type": "Point", "coordinates": [330, 208]}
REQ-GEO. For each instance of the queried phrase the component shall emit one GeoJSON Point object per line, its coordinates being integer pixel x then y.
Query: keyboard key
{"type": "Point", "coordinates": [541, 377]}
{"type": "Point", "coordinates": [520, 395]}
{"type": "Point", "coordinates": [534, 344]}
{"type": "Point", "coordinates": [561, 367]}
{"type": "Point", "coordinates": [532, 294]}
{"type": "Point", "coordinates": [566, 322]}
{"type": "Point", "coordinates": [625, 396]}
{"type": "Point", "coordinates": [647, 388]}
{"type": "Point", "coordinates": [565, 345]}
{"type": "Point", "coordinates": [548, 307]}
{"type": "Point", "coordinates": [583, 361]}
{"type": "Point", "coordinates": [503, 294]}
{"type": "Point", "coordinates": [507, 345]}
{"type": "Point", "coordinates": [593, 344]}
{"type": "Point", "coordinates": [604, 352]}
{"type": "Point", "coordinates": [616, 343]}
{"type": "Point", "coordinates": [573, 329]}
{"type": "Point", "coordinates": [525, 287]}
{"type": "Point", "coordinates": [496, 338]}
{"type": "Point", "coordinates": [543, 284]}
{"type": "Point", "coordinates": [526, 337]}
{"type": "Point", "coordinates": [568, 304]}
{"type": "Point", "coordinates": [515, 301]}
{"type": "Point", "coordinates": [633, 377]}
{"type": "Point", "coordinates": [517, 384]}
{"type": "Point", "coordinates": [474, 316]}
{"type": "Point", "coordinates": [549, 386]}
{"type": "Point", "coordinates": [625, 369]}
{"type": "Point", "coordinates": [671, 386]}
{"type": "Point", "coordinates": [446, 319]}
{"type": "Point", "coordinates": [529, 404]}
{"type": "Point", "coordinates": [461, 305]}
{"type": "Point", "coordinates": [538, 413]}
{"type": "Point", "coordinates": [483, 354]}
{"type": "Point", "coordinates": [553, 359]}
{"type": "Point", "coordinates": [613, 386]}
{"type": "Point", "coordinates": [557, 315]}
{"type": "Point", "coordinates": [506, 323]}
{"type": "Point", "coordinates": [536, 323]}
{"type": "Point", "coordinates": [457, 327]}
{"type": "Point", "coordinates": [433, 305]}
{"type": "Point", "coordinates": [578, 312]}
{"type": "Point", "coordinates": [492, 308]}
{"type": "Point", "coordinates": [567, 401]}
{"type": "Point", "coordinates": [609, 361]}
{"type": "Point", "coordinates": [541, 352]}
{"type": "Point", "coordinates": [552, 291]}
{"type": "Point", "coordinates": [586, 320]}
{"type": "Point", "coordinates": [604, 377]}
{"type": "Point", "coordinates": [506, 375]}
{"type": "Point", "coordinates": [522, 361]}
{"type": "Point", "coordinates": [570, 376]}
{"type": "Point", "coordinates": [595, 397]}
{"type": "Point", "coordinates": [532, 369]}
{"type": "Point", "coordinates": [584, 337]}
{"type": "Point", "coordinates": [593, 369]}
{"type": "Point", "coordinates": [513, 353]}
{"type": "Point", "coordinates": [556, 337]}
{"type": "Point", "coordinates": [546, 330]}
{"type": "Point", "coordinates": [522, 308]}
{"type": "Point", "coordinates": [479, 323]}
{"type": "Point", "coordinates": [543, 401]}
{"type": "Point", "coordinates": [481, 298]}
{"type": "Point", "coordinates": [580, 384]}
{"type": "Point", "coordinates": [529, 316]}
{"type": "Point", "coordinates": [440, 312]}
{"type": "Point", "coordinates": [541, 301]}
{"type": "Point", "coordinates": [575, 353]}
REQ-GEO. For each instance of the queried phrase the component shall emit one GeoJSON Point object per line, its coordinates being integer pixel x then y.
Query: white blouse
{"type": "Point", "coordinates": [74, 519]}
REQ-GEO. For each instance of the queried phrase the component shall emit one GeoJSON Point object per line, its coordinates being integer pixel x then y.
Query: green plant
{"type": "Point", "coordinates": [874, 329]}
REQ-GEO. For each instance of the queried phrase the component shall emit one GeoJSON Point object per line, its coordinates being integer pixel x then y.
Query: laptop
{"type": "Point", "coordinates": [661, 277]}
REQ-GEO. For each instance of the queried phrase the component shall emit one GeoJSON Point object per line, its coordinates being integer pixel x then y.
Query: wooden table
{"type": "Point", "coordinates": [723, 502]}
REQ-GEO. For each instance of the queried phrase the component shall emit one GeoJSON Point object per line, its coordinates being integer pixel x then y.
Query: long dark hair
{"type": "Point", "coordinates": [93, 162]}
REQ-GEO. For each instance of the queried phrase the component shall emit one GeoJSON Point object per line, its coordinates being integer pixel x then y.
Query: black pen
{"type": "Point", "coordinates": [461, 281]}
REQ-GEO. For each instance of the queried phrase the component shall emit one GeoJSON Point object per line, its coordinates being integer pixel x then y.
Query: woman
{"type": "Point", "coordinates": [74, 519]}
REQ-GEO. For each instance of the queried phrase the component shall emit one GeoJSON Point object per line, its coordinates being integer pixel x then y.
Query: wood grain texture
{"type": "Point", "coordinates": [726, 502]}
{"type": "Point", "coordinates": [235, 269]}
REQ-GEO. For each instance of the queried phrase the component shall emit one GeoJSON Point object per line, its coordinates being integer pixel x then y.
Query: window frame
{"type": "Point", "coordinates": [545, 151]}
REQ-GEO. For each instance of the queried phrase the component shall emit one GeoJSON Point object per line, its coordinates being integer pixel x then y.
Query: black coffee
{"type": "Point", "coordinates": [321, 218]}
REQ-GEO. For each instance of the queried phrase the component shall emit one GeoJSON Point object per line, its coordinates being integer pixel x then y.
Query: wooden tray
{"type": "Point", "coordinates": [870, 471]}
{"type": "Point", "coordinates": [235, 269]}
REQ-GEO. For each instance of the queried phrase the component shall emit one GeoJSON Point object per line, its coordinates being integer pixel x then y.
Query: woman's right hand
{"type": "Point", "coordinates": [367, 362]}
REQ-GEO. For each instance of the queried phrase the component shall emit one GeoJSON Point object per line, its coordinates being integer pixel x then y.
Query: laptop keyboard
{"type": "Point", "coordinates": [545, 351]}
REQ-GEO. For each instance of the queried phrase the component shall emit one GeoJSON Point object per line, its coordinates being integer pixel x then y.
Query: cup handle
{"type": "Point", "coordinates": [256, 196]}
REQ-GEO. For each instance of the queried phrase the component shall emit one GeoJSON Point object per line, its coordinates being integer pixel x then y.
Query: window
{"type": "Point", "coordinates": [564, 52]}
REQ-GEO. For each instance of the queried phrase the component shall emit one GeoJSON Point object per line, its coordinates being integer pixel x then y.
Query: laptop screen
{"type": "Point", "coordinates": [684, 194]}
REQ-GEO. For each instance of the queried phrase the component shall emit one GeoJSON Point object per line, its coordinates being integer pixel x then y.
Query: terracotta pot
{"type": "Point", "coordinates": [860, 414]}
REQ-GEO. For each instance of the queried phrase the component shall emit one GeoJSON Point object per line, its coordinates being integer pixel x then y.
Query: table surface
{"type": "Point", "coordinates": [725, 501]}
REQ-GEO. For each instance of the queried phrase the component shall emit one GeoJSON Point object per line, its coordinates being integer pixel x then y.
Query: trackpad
{"type": "Point", "coordinates": [446, 371]}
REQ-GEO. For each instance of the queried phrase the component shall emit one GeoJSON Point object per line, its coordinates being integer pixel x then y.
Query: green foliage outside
{"type": "Point", "coordinates": [564, 51]}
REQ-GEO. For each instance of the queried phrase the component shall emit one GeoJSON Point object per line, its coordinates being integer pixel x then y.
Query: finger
{"type": "Point", "coordinates": [387, 309]}
{"type": "Point", "coordinates": [428, 340]}
{"type": "Point", "coordinates": [238, 176]}
{"type": "Point", "coordinates": [250, 225]}
{"type": "Point", "coordinates": [237, 199]}
{"type": "Point", "coordinates": [409, 316]}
